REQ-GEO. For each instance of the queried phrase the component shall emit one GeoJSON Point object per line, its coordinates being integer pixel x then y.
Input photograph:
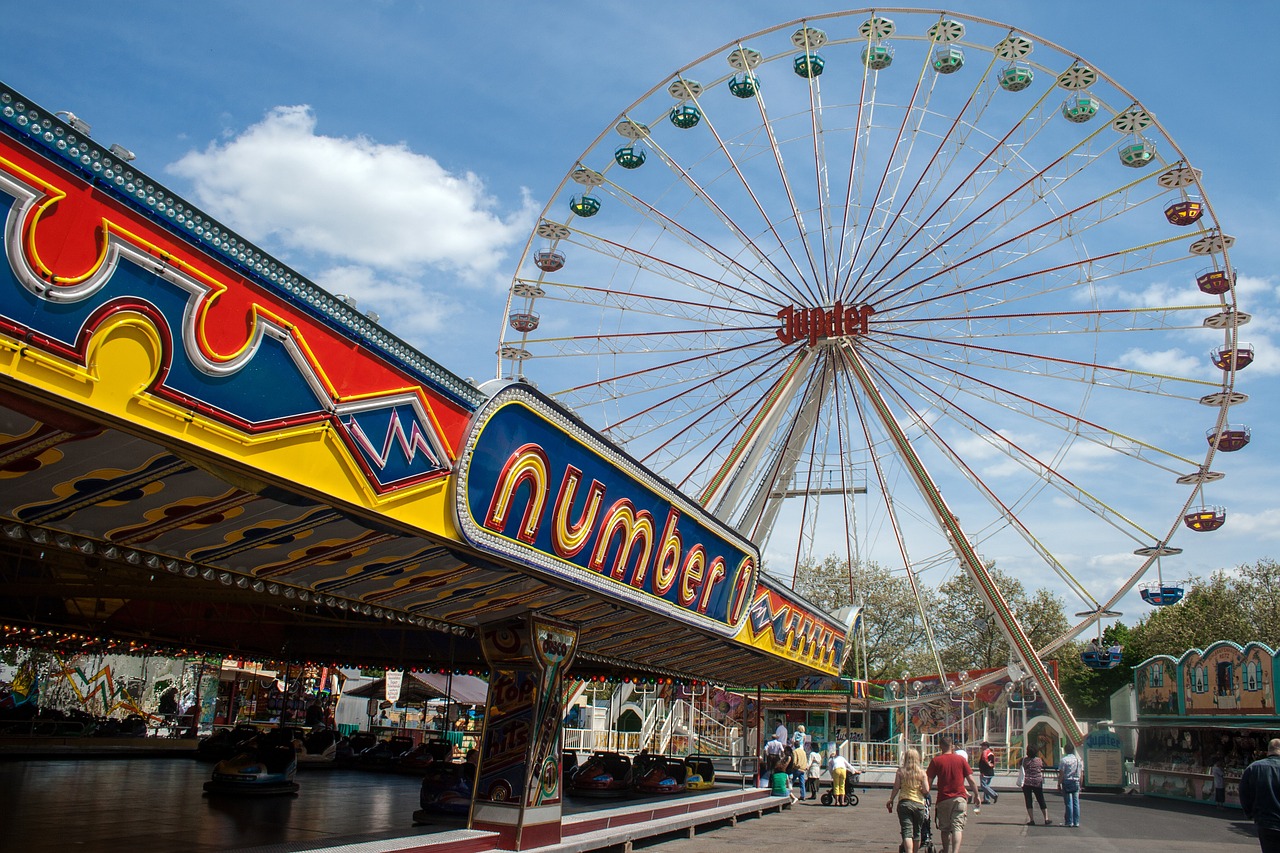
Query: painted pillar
{"type": "Point", "coordinates": [518, 791]}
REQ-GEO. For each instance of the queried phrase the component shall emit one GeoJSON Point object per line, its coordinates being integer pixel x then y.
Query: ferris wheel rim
{"type": "Point", "coordinates": [1158, 539]}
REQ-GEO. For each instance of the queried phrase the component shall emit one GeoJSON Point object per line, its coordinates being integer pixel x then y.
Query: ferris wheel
{"type": "Point", "coordinates": [911, 287]}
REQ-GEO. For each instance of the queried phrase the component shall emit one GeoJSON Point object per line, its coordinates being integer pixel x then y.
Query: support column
{"type": "Point", "coordinates": [518, 791]}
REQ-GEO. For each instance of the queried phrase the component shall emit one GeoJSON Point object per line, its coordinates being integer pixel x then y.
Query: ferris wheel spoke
{"type": "Point", "coordinates": [1001, 395]}
{"type": "Point", "coordinates": [849, 280]}
{"type": "Point", "coordinates": [1102, 320]}
{"type": "Point", "coordinates": [1038, 237]}
{"type": "Point", "coordinates": [740, 234]}
{"type": "Point", "coordinates": [1000, 145]}
{"type": "Point", "coordinates": [717, 256]}
{"type": "Point", "coordinates": [653, 305]}
{"type": "Point", "coordinates": [1048, 367]}
{"type": "Point", "coordinates": [891, 164]}
{"type": "Point", "coordinates": [1027, 460]}
{"type": "Point", "coordinates": [685, 389]}
{"type": "Point", "coordinates": [665, 367]}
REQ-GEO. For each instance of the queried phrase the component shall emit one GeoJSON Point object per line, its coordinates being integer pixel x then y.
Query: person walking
{"type": "Point", "coordinates": [1031, 780]}
{"type": "Point", "coordinates": [909, 786]}
{"type": "Point", "coordinates": [814, 773]}
{"type": "Point", "coordinates": [1069, 785]}
{"type": "Point", "coordinates": [987, 773]}
{"type": "Point", "coordinates": [1260, 797]}
{"type": "Point", "coordinates": [952, 773]}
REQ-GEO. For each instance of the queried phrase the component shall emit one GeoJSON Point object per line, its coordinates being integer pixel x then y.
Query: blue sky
{"type": "Point", "coordinates": [400, 152]}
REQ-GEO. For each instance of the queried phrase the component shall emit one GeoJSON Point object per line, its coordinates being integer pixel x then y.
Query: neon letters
{"type": "Point", "coordinates": [560, 503]}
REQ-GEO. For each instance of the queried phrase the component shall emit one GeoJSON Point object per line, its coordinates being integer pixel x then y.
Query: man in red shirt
{"type": "Point", "coordinates": [952, 773]}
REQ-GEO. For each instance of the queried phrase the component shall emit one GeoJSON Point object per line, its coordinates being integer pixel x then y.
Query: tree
{"type": "Point", "coordinates": [891, 619]}
{"type": "Point", "coordinates": [967, 633]}
{"type": "Point", "coordinates": [1240, 605]}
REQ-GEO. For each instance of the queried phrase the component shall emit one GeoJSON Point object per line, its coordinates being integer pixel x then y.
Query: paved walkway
{"type": "Point", "coordinates": [1109, 824]}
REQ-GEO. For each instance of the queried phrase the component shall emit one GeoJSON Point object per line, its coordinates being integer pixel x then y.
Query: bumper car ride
{"type": "Point", "coordinates": [604, 774]}
{"type": "Point", "coordinates": [266, 767]}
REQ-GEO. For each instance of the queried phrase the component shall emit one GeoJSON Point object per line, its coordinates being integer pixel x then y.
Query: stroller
{"type": "Point", "coordinates": [926, 831]}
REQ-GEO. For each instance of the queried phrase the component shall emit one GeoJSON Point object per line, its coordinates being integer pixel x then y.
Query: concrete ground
{"type": "Point", "coordinates": [1109, 824]}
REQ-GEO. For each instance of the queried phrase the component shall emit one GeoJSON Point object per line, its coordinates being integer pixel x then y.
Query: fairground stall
{"type": "Point", "coordinates": [1216, 705]}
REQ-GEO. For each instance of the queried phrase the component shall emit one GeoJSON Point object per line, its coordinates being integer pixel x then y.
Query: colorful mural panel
{"type": "Point", "coordinates": [1223, 680]}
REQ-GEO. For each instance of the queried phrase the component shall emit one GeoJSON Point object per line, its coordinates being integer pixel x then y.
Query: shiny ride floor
{"type": "Point", "coordinates": [159, 805]}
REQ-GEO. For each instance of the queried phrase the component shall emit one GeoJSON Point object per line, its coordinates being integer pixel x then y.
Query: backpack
{"type": "Point", "coordinates": [987, 762]}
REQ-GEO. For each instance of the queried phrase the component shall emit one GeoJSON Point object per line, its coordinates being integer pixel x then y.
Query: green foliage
{"type": "Point", "coordinates": [891, 619]}
{"type": "Point", "coordinates": [967, 634]}
{"type": "Point", "coordinates": [1241, 605]}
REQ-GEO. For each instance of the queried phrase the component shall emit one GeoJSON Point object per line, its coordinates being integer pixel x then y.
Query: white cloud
{"type": "Point", "coordinates": [352, 200]}
{"type": "Point", "coordinates": [1264, 525]}
{"type": "Point", "coordinates": [1170, 362]}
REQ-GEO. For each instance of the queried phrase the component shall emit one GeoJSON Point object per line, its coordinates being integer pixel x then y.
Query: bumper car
{"type": "Point", "coordinates": [349, 747]}
{"type": "Point", "coordinates": [446, 790]}
{"type": "Point", "coordinates": [423, 756]}
{"type": "Point", "coordinates": [319, 749]}
{"type": "Point", "coordinates": [381, 755]}
{"type": "Point", "coordinates": [604, 774]}
{"type": "Point", "coordinates": [661, 774]}
{"type": "Point", "coordinates": [700, 773]}
{"type": "Point", "coordinates": [568, 766]}
{"type": "Point", "coordinates": [266, 766]}
{"type": "Point", "coordinates": [224, 743]}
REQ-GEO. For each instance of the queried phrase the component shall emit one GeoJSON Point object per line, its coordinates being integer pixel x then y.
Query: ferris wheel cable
{"type": "Point", "coordinates": [1083, 375]}
{"type": "Point", "coordinates": [1043, 471]}
{"type": "Point", "coordinates": [999, 145]}
{"type": "Point", "coordinates": [797, 217]}
{"type": "Point", "coordinates": [710, 203]}
{"type": "Point", "coordinates": [892, 155]}
{"type": "Point", "coordinates": [1038, 228]}
{"type": "Point", "coordinates": [1118, 444]}
{"type": "Point", "coordinates": [662, 267]}
{"type": "Point", "coordinates": [747, 436]}
{"type": "Point", "coordinates": [603, 297]}
{"type": "Point", "coordinates": [990, 495]}
{"type": "Point", "coordinates": [619, 377]}
{"type": "Point", "coordinates": [751, 515]}
{"type": "Point", "coordinates": [848, 507]}
{"type": "Point", "coordinates": [704, 247]}
{"type": "Point", "coordinates": [854, 394]}
{"type": "Point", "coordinates": [942, 142]}
{"type": "Point", "coordinates": [808, 492]}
